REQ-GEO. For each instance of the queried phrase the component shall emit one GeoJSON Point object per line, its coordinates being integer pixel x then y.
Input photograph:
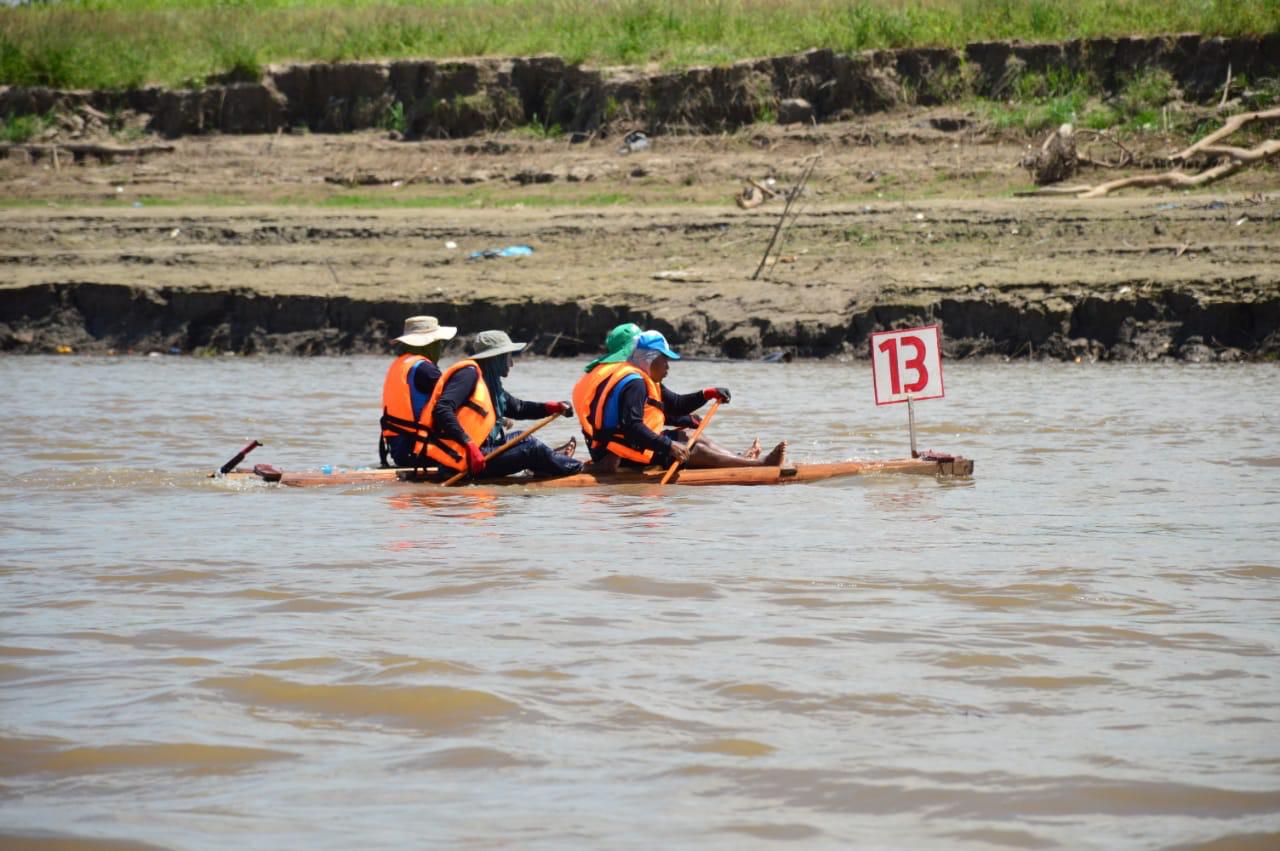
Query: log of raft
{"type": "Point", "coordinates": [946, 466]}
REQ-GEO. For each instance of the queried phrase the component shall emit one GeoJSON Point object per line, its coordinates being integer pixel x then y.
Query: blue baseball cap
{"type": "Point", "coordinates": [654, 340]}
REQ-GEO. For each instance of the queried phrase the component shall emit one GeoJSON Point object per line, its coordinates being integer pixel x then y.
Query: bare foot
{"type": "Point", "coordinates": [569, 447]}
{"type": "Point", "coordinates": [776, 457]}
{"type": "Point", "coordinates": [753, 451]}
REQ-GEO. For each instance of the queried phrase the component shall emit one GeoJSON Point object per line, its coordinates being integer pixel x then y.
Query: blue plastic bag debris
{"type": "Point", "coordinates": [509, 251]}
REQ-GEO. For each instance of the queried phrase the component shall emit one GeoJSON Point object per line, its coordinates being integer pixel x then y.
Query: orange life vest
{"type": "Point", "coordinates": [397, 398]}
{"type": "Point", "coordinates": [476, 416]}
{"type": "Point", "coordinates": [590, 399]}
{"type": "Point", "coordinates": [583, 391]}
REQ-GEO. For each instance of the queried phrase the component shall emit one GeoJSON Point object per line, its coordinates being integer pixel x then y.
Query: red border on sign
{"type": "Point", "coordinates": [871, 349]}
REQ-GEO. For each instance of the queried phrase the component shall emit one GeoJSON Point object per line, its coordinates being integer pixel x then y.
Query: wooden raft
{"type": "Point", "coordinates": [941, 466]}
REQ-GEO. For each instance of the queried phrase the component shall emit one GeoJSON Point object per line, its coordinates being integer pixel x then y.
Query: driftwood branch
{"type": "Point", "coordinates": [1246, 155]}
{"type": "Point", "coordinates": [1173, 179]}
{"type": "Point", "coordinates": [1230, 159]}
{"type": "Point", "coordinates": [1228, 127]}
{"type": "Point", "coordinates": [1237, 158]}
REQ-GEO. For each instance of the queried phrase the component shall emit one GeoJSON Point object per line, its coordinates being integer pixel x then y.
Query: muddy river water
{"type": "Point", "coordinates": [1078, 648]}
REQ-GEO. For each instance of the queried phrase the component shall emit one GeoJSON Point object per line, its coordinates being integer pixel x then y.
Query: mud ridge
{"type": "Point", "coordinates": [1162, 325]}
{"type": "Point", "coordinates": [456, 98]}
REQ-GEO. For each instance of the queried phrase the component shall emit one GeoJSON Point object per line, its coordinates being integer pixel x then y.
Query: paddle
{"type": "Point", "coordinates": [452, 480]}
{"type": "Point", "coordinates": [238, 457]}
{"type": "Point", "coordinates": [711, 412]}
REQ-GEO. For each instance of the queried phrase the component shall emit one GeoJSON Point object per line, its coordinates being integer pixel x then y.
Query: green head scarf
{"type": "Point", "coordinates": [618, 343]}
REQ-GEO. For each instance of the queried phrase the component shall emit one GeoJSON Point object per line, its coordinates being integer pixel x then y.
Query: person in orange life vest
{"type": "Point", "coordinates": [408, 385]}
{"type": "Point", "coordinates": [475, 383]}
{"type": "Point", "coordinates": [632, 405]}
{"type": "Point", "coordinates": [619, 344]}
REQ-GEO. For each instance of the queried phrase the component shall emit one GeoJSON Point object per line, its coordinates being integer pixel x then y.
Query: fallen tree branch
{"type": "Point", "coordinates": [1246, 155]}
{"type": "Point", "coordinates": [1173, 179]}
{"type": "Point", "coordinates": [1238, 158]}
{"type": "Point", "coordinates": [1232, 160]}
{"type": "Point", "coordinates": [1228, 127]}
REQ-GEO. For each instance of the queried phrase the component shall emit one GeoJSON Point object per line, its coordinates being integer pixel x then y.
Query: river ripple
{"type": "Point", "coordinates": [1076, 649]}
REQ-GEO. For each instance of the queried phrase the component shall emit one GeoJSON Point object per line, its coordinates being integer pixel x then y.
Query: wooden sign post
{"type": "Point", "coordinates": [906, 366]}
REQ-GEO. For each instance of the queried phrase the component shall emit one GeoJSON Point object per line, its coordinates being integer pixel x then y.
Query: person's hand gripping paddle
{"type": "Point", "coordinates": [711, 412]}
{"type": "Point", "coordinates": [453, 480]}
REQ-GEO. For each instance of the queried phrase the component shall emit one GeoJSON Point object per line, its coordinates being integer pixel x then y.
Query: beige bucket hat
{"type": "Point", "coordinates": [490, 343]}
{"type": "Point", "coordinates": [423, 330]}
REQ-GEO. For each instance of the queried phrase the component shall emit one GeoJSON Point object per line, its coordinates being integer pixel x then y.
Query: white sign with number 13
{"type": "Point", "coordinates": [907, 363]}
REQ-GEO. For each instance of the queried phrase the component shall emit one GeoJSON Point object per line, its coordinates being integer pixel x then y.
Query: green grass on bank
{"type": "Point", "coordinates": [127, 43]}
{"type": "Point", "coordinates": [1040, 101]}
{"type": "Point", "coordinates": [469, 198]}
{"type": "Point", "coordinates": [19, 129]}
{"type": "Point", "coordinates": [1147, 100]}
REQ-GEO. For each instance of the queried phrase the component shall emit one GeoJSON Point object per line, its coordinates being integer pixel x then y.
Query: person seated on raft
{"type": "Point", "coordinates": [469, 406]}
{"type": "Point", "coordinates": [628, 407]}
{"type": "Point", "coordinates": [618, 344]}
{"type": "Point", "coordinates": [408, 385]}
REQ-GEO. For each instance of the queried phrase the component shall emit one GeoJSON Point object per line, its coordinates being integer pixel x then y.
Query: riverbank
{"type": "Point", "coordinates": [1101, 82]}
{"type": "Point", "coordinates": [311, 243]}
{"type": "Point", "coordinates": [1192, 277]}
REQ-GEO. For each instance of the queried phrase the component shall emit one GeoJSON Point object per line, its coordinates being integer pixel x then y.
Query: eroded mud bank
{"type": "Point", "coordinates": [1203, 324]}
{"type": "Point", "coordinates": [439, 98]}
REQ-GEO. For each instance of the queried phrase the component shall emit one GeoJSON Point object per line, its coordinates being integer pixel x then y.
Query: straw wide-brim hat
{"type": "Point", "coordinates": [423, 330]}
{"type": "Point", "coordinates": [491, 343]}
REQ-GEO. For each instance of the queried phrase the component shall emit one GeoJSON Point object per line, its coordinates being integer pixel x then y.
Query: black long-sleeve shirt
{"type": "Point", "coordinates": [455, 394]}
{"type": "Point", "coordinates": [425, 376]}
{"type": "Point", "coordinates": [675, 406]}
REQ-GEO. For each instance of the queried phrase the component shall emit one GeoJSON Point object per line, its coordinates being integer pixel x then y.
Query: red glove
{"type": "Point", "coordinates": [563, 408]}
{"type": "Point", "coordinates": [475, 459]}
{"type": "Point", "coordinates": [719, 393]}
